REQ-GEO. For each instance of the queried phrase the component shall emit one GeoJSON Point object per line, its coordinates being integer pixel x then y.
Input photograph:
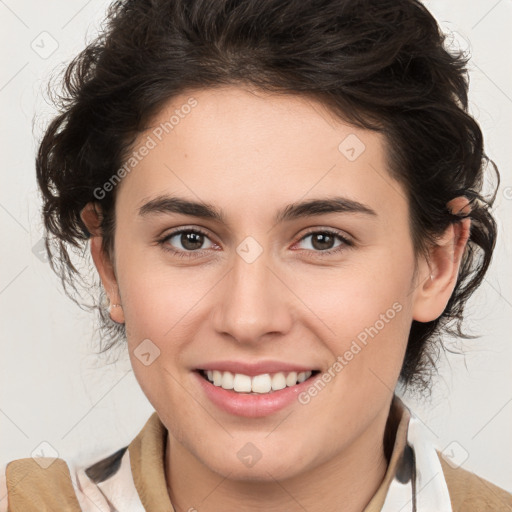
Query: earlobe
{"type": "Point", "coordinates": [439, 275]}
{"type": "Point", "coordinates": [91, 217]}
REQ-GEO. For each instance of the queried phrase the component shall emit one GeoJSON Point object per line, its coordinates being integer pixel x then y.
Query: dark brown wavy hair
{"type": "Point", "coordinates": [382, 65]}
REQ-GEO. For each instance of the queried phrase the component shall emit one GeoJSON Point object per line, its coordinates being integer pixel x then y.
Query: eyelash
{"type": "Point", "coordinates": [346, 243]}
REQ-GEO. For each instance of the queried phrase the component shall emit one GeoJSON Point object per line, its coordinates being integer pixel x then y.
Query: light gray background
{"type": "Point", "coordinates": [53, 388]}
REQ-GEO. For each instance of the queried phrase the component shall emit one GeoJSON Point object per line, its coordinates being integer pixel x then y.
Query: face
{"type": "Point", "coordinates": [253, 283]}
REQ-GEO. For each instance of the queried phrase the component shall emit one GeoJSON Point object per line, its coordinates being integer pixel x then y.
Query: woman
{"type": "Point", "coordinates": [283, 203]}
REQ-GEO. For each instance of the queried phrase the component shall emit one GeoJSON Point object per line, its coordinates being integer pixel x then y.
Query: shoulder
{"type": "Point", "coordinates": [44, 483]}
{"type": "Point", "coordinates": [470, 492]}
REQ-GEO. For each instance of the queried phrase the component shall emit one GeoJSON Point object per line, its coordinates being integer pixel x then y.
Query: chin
{"type": "Point", "coordinates": [262, 470]}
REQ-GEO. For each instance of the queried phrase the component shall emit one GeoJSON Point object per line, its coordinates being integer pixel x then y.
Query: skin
{"type": "Point", "coordinates": [249, 154]}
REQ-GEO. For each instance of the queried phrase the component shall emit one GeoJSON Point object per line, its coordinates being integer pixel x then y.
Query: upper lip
{"type": "Point", "coordinates": [258, 368]}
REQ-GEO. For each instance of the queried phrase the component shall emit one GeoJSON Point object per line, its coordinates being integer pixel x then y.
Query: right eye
{"type": "Point", "coordinates": [191, 241]}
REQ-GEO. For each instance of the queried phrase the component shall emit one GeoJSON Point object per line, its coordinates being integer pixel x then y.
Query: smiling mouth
{"type": "Point", "coordinates": [265, 383]}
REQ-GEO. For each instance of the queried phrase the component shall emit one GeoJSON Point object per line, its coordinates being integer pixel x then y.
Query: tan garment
{"type": "Point", "coordinates": [108, 484]}
{"type": "Point", "coordinates": [469, 492]}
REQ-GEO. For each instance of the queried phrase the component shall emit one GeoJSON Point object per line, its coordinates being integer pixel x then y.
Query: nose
{"type": "Point", "coordinates": [254, 302]}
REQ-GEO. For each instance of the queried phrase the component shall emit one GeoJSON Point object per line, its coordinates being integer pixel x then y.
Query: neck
{"type": "Point", "coordinates": [350, 478]}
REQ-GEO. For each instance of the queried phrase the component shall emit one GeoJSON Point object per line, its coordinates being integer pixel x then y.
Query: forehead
{"type": "Point", "coordinates": [252, 151]}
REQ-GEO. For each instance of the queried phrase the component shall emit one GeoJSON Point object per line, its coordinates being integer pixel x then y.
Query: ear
{"type": "Point", "coordinates": [91, 217]}
{"type": "Point", "coordinates": [438, 276]}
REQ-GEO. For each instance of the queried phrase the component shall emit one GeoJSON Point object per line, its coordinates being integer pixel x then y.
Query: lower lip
{"type": "Point", "coordinates": [251, 405]}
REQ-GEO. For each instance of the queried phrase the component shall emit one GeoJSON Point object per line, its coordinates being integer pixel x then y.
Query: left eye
{"type": "Point", "coordinates": [324, 240]}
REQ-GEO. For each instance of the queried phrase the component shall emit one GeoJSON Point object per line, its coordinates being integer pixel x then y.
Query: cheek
{"type": "Point", "coordinates": [371, 323]}
{"type": "Point", "coordinates": [157, 298]}
{"type": "Point", "coordinates": [368, 313]}
{"type": "Point", "coordinates": [355, 296]}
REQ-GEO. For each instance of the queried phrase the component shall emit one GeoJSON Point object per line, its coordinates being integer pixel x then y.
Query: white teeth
{"type": "Point", "coordinates": [261, 383]}
{"type": "Point", "coordinates": [264, 383]}
{"type": "Point", "coordinates": [278, 381]}
{"type": "Point", "coordinates": [242, 383]}
{"type": "Point", "coordinates": [217, 377]}
{"type": "Point", "coordinates": [291, 379]}
{"type": "Point", "coordinates": [227, 380]}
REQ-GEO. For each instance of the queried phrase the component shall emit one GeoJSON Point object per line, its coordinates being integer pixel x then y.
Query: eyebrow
{"type": "Point", "coordinates": [173, 204]}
